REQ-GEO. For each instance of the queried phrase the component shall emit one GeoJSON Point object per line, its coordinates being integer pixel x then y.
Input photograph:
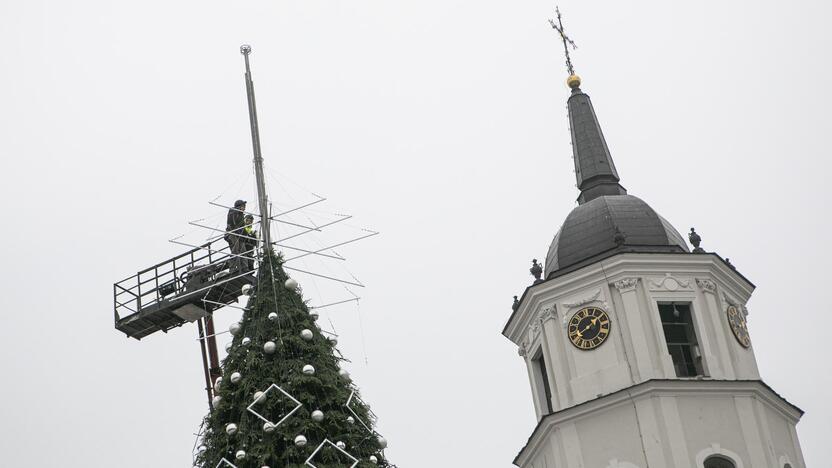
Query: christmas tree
{"type": "Point", "coordinates": [283, 399]}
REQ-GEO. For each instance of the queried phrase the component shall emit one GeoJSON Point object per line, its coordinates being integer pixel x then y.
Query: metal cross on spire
{"type": "Point", "coordinates": [566, 41]}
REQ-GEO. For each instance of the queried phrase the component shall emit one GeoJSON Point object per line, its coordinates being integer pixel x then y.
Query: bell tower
{"type": "Point", "coordinates": [636, 347]}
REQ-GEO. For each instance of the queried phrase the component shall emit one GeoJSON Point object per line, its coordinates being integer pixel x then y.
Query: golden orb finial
{"type": "Point", "coordinates": [573, 81]}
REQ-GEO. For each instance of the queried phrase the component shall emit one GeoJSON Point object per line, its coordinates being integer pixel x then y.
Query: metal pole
{"type": "Point", "coordinates": [262, 198]}
{"type": "Point", "coordinates": [208, 386]}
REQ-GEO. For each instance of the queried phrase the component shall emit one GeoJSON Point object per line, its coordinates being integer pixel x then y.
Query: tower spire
{"type": "Point", "coordinates": [262, 197]}
{"type": "Point", "coordinates": [594, 169]}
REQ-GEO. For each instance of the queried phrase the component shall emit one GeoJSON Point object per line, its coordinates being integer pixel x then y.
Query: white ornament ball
{"type": "Point", "coordinates": [268, 427]}
{"type": "Point", "coordinates": [344, 374]}
{"type": "Point", "coordinates": [273, 316]}
{"type": "Point", "coordinates": [259, 397]}
{"type": "Point", "coordinates": [201, 449]}
{"type": "Point", "coordinates": [236, 377]}
{"type": "Point", "coordinates": [216, 400]}
{"type": "Point", "coordinates": [246, 341]}
{"type": "Point", "coordinates": [373, 459]}
{"type": "Point", "coordinates": [340, 445]}
{"type": "Point", "coordinates": [245, 289]}
{"type": "Point", "coordinates": [269, 347]}
{"type": "Point", "coordinates": [241, 454]}
{"type": "Point", "coordinates": [382, 442]}
{"type": "Point", "coordinates": [313, 314]}
{"type": "Point", "coordinates": [228, 347]}
{"type": "Point", "coordinates": [308, 369]}
{"type": "Point", "coordinates": [217, 382]}
{"type": "Point", "coordinates": [291, 284]}
{"type": "Point", "coordinates": [317, 415]}
{"type": "Point", "coordinates": [350, 420]}
{"type": "Point", "coordinates": [235, 328]}
{"type": "Point", "coordinates": [334, 341]}
{"type": "Point", "coordinates": [231, 429]}
{"type": "Point", "coordinates": [300, 441]}
{"type": "Point", "coordinates": [306, 334]}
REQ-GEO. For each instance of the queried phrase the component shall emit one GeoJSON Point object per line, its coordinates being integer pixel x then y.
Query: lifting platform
{"type": "Point", "coordinates": [179, 290]}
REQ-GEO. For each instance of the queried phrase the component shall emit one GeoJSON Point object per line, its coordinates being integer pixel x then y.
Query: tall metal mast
{"type": "Point", "coordinates": [262, 198]}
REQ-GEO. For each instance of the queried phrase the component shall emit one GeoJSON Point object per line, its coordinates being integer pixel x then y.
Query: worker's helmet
{"type": "Point", "coordinates": [249, 217]}
{"type": "Point", "coordinates": [239, 203]}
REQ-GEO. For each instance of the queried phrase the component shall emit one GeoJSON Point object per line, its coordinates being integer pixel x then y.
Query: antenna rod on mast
{"type": "Point", "coordinates": [262, 198]}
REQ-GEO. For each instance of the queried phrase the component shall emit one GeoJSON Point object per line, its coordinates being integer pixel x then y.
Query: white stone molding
{"type": "Point", "coordinates": [706, 285]}
{"type": "Point", "coordinates": [668, 283]}
{"type": "Point", "coordinates": [584, 300]}
{"type": "Point", "coordinates": [626, 284]}
{"type": "Point", "coordinates": [521, 350]}
{"type": "Point", "coordinates": [621, 464]}
{"type": "Point", "coordinates": [785, 460]}
{"type": "Point", "coordinates": [548, 313]}
{"type": "Point", "coordinates": [716, 449]}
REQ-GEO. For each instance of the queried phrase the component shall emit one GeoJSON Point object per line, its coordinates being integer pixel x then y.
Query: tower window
{"type": "Point", "coordinates": [680, 335]}
{"type": "Point", "coordinates": [543, 387]}
{"type": "Point", "coordinates": [719, 462]}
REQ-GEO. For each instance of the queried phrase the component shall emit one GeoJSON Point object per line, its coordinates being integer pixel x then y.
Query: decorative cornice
{"type": "Point", "coordinates": [706, 285]}
{"type": "Point", "coordinates": [626, 284]}
{"type": "Point", "coordinates": [548, 313]}
{"type": "Point", "coordinates": [521, 350]}
{"type": "Point", "coordinates": [585, 300]}
{"type": "Point", "coordinates": [669, 283]}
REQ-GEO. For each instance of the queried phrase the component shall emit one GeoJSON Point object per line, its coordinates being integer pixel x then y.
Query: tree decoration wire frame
{"type": "Point", "coordinates": [355, 397]}
{"type": "Point", "coordinates": [325, 442]}
{"type": "Point", "coordinates": [284, 418]}
{"type": "Point", "coordinates": [227, 464]}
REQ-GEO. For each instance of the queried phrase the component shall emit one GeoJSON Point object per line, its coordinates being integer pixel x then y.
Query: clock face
{"type": "Point", "coordinates": [736, 319]}
{"type": "Point", "coordinates": [588, 328]}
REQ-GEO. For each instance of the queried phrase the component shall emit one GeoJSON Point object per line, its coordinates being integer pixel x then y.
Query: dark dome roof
{"type": "Point", "coordinates": [589, 231]}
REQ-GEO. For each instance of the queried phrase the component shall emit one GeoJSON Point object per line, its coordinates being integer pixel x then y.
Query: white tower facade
{"type": "Point", "coordinates": [636, 348]}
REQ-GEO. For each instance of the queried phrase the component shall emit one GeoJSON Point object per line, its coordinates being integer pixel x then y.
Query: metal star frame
{"type": "Point", "coordinates": [227, 463]}
{"type": "Point", "coordinates": [355, 397]}
{"type": "Point", "coordinates": [325, 442]}
{"type": "Point", "coordinates": [284, 418]}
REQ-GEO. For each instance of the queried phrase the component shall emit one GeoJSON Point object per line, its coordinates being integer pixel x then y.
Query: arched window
{"type": "Point", "coordinates": [717, 461]}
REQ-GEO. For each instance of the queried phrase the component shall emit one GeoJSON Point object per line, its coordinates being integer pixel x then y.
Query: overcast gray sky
{"type": "Point", "coordinates": [441, 123]}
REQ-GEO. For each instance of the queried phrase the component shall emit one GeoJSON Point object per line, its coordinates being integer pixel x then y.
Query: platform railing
{"type": "Point", "coordinates": [152, 285]}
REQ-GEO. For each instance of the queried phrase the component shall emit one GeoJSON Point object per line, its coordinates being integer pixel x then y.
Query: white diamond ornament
{"type": "Point", "coordinates": [225, 463]}
{"type": "Point", "coordinates": [274, 387]}
{"type": "Point", "coordinates": [269, 347]}
{"type": "Point", "coordinates": [300, 441]}
{"type": "Point", "coordinates": [351, 419]}
{"type": "Point", "coordinates": [317, 415]}
{"type": "Point", "coordinates": [309, 461]}
{"type": "Point", "coordinates": [306, 334]}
